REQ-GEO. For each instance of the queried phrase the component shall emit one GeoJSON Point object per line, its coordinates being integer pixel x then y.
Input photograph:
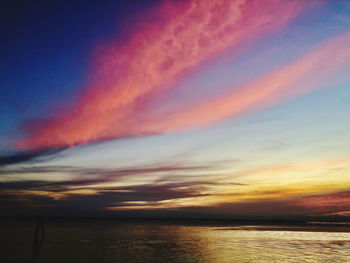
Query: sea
{"type": "Point", "coordinates": [114, 241]}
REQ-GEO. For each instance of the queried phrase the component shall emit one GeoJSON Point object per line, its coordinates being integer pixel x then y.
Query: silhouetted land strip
{"type": "Point", "coordinates": [307, 221]}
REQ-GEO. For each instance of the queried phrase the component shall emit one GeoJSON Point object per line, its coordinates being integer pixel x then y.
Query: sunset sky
{"type": "Point", "coordinates": [198, 108]}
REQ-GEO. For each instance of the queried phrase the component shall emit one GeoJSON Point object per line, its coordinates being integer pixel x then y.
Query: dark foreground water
{"type": "Point", "coordinates": [116, 241]}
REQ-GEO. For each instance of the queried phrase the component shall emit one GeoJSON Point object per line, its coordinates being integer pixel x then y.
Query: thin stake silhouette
{"type": "Point", "coordinates": [36, 242]}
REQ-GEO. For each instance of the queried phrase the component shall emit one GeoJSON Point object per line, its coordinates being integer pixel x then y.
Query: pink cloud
{"type": "Point", "coordinates": [158, 55]}
{"type": "Point", "coordinates": [304, 75]}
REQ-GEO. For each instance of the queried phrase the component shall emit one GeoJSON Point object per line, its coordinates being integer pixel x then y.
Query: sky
{"type": "Point", "coordinates": [198, 109]}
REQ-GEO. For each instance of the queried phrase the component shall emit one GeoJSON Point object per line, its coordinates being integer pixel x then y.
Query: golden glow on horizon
{"type": "Point", "coordinates": [284, 182]}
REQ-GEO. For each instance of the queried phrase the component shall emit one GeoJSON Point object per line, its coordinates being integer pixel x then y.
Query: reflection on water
{"type": "Point", "coordinates": [108, 241]}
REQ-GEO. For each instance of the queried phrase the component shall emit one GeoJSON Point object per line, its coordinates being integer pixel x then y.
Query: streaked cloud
{"type": "Point", "coordinates": [301, 185]}
{"type": "Point", "coordinates": [301, 76]}
{"type": "Point", "coordinates": [155, 57]}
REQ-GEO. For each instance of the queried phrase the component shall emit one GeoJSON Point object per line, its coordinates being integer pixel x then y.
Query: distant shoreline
{"type": "Point", "coordinates": [329, 222]}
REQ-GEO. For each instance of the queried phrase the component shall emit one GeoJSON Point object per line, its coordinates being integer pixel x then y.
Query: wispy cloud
{"type": "Point", "coordinates": [155, 57]}
{"type": "Point", "coordinates": [301, 76]}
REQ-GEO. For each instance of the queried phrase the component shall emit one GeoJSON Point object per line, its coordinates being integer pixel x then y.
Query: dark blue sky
{"type": "Point", "coordinates": [46, 47]}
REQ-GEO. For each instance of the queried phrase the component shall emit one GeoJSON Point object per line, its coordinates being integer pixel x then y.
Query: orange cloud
{"type": "Point", "coordinates": [156, 56]}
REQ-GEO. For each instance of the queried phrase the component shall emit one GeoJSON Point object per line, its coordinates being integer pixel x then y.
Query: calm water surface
{"type": "Point", "coordinates": [102, 241]}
